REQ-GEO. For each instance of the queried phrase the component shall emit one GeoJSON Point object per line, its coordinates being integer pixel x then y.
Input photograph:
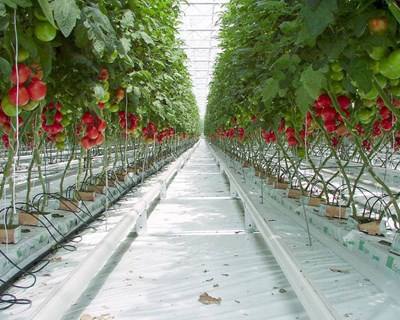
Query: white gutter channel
{"type": "Point", "coordinates": [313, 302]}
{"type": "Point", "coordinates": [65, 295]}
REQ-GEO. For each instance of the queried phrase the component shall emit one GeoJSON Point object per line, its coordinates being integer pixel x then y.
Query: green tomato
{"type": "Point", "coordinates": [106, 97]}
{"type": "Point", "coordinates": [8, 108]}
{"type": "Point", "coordinates": [23, 55]}
{"type": "Point", "coordinates": [337, 88]}
{"type": "Point", "coordinates": [374, 66]}
{"type": "Point", "coordinates": [114, 108]}
{"type": "Point", "coordinates": [336, 67]}
{"type": "Point", "coordinates": [377, 53]}
{"type": "Point", "coordinates": [132, 4]}
{"type": "Point", "coordinates": [60, 137]}
{"type": "Point", "coordinates": [32, 105]}
{"type": "Point", "coordinates": [45, 32]}
{"type": "Point", "coordinates": [366, 115]}
{"type": "Point", "coordinates": [301, 152]}
{"type": "Point", "coordinates": [60, 146]}
{"type": "Point", "coordinates": [395, 91]}
{"type": "Point", "coordinates": [382, 81]}
{"type": "Point", "coordinates": [112, 57]}
{"type": "Point", "coordinates": [390, 66]}
{"type": "Point", "coordinates": [289, 27]}
{"type": "Point", "coordinates": [106, 85]}
{"type": "Point", "coordinates": [65, 122]}
{"type": "Point", "coordinates": [369, 103]}
{"type": "Point", "coordinates": [354, 84]}
{"type": "Point", "coordinates": [337, 76]}
{"type": "Point", "coordinates": [371, 95]}
{"type": "Point", "coordinates": [287, 117]}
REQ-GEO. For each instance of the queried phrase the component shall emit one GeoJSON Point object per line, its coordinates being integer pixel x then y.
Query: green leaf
{"type": "Point", "coordinates": [48, 13]}
{"type": "Point", "coordinates": [394, 9]}
{"type": "Point", "coordinates": [125, 46]}
{"type": "Point", "coordinates": [99, 30]}
{"type": "Point", "coordinates": [317, 18]}
{"type": "Point", "coordinates": [136, 91]}
{"type": "Point", "coordinates": [313, 81]}
{"type": "Point", "coordinates": [66, 13]}
{"type": "Point", "coordinates": [332, 47]}
{"type": "Point", "coordinates": [271, 89]}
{"type": "Point", "coordinates": [360, 72]}
{"type": "Point", "coordinates": [28, 43]}
{"type": "Point", "coordinates": [303, 100]}
{"type": "Point", "coordinates": [4, 23]}
{"type": "Point", "coordinates": [146, 38]}
{"type": "Point", "coordinates": [128, 19]}
{"type": "Point", "coordinates": [3, 11]}
{"type": "Point", "coordinates": [18, 3]}
{"type": "Point", "coordinates": [5, 67]}
{"type": "Point", "coordinates": [46, 55]}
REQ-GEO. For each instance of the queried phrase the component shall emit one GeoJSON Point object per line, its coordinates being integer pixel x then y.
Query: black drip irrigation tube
{"type": "Point", "coordinates": [8, 300]}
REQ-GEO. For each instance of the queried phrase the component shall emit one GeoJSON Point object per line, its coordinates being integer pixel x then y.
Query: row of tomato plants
{"type": "Point", "coordinates": [80, 74]}
{"type": "Point", "coordinates": [304, 75]}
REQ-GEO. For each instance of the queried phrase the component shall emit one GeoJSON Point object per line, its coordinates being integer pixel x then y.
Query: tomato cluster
{"type": "Point", "coordinates": [268, 136]}
{"type": "Point", "coordinates": [94, 130]}
{"type": "Point", "coordinates": [28, 89]}
{"type": "Point", "coordinates": [5, 125]}
{"type": "Point", "coordinates": [128, 121]}
{"type": "Point", "coordinates": [165, 134]}
{"type": "Point", "coordinates": [149, 132]}
{"type": "Point", "coordinates": [323, 108]}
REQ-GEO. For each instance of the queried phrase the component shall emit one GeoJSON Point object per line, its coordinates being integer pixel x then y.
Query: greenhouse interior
{"type": "Point", "coordinates": [199, 159]}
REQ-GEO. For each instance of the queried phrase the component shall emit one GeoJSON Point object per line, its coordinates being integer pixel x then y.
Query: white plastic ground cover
{"type": "Point", "coordinates": [63, 262]}
{"type": "Point", "coordinates": [371, 250]}
{"type": "Point", "coordinates": [65, 295]}
{"type": "Point", "coordinates": [38, 240]}
{"type": "Point", "coordinates": [314, 303]}
{"type": "Point", "coordinates": [195, 243]}
{"type": "Point", "coordinates": [355, 288]}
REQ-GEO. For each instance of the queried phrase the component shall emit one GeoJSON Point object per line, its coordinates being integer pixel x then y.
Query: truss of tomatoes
{"type": "Point", "coordinates": [94, 128]}
{"type": "Point", "coordinates": [128, 121]}
{"type": "Point", "coordinates": [27, 89]}
{"type": "Point", "coordinates": [150, 131]}
{"type": "Point", "coordinates": [165, 134]}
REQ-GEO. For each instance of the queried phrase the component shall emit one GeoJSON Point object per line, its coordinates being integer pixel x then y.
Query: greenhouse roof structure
{"type": "Point", "coordinates": [199, 32]}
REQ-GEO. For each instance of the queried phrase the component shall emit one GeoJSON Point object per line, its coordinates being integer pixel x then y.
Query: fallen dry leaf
{"type": "Point", "coordinates": [105, 316]}
{"type": "Point", "coordinates": [339, 270]}
{"type": "Point", "coordinates": [205, 298]}
{"type": "Point", "coordinates": [55, 259]}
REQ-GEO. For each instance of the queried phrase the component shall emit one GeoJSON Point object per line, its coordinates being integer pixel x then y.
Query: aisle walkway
{"type": "Point", "coordinates": [195, 244]}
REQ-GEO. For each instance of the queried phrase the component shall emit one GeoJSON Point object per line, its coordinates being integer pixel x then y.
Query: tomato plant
{"type": "Point", "coordinates": [315, 73]}
{"type": "Point", "coordinates": [73, 66]}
